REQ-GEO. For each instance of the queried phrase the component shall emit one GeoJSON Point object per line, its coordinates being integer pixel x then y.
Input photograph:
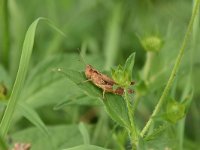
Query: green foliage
{"type": "Point", "coordinates": [84, 133]}
{"type": "Point", "coordinates": [33, 117]}
{"type": "Point", "coordinates": [155, 133]}
{"type": "Point", "coordinates": [116, 108]}
{"type": "Point", "coordinates": [62, 136]}
{"type": "Point", "coordinates": [47, 88]}
{"type": "Point", "coordinates": [23, 67]}
{"type": "Point", "coordinates": [114, 104]}
{"type": "Point", "coordinates": [20, 78]}
{"type": "Point", "coordinates": [3, 145]}
{"type": "Point", "coordinates": [123, 75]}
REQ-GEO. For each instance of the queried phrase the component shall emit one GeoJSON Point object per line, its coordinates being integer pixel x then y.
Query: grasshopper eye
{"type": "Point", "coordinates": [102, 81]}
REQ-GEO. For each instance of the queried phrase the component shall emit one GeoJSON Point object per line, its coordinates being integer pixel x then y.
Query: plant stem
{"type": "Point", "coordinates": [5, 29]}
{"type": "Point", "coordinates": [174, 71]}
{"type": "Point", "coordinates": [132, 129]}
{"type": "Point", "coordinates": [147, 65]}
{"type": "Point", "coordinates": [181, 124]}
{"type": "Point", "coordinates": [136, 102]}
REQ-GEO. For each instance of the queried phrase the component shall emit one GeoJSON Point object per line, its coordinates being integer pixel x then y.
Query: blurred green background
{"type": "Point", "coordinates": [106, 31]}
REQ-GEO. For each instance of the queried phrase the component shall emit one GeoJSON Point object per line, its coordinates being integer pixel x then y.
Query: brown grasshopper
{"type": "Point", "coordinates": [21, 146]}
{"type": "Point", "coordinates": [104, 82]}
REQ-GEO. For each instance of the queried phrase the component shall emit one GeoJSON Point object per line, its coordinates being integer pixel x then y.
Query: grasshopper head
{"type": "Point", "coordinates": [88, 71]}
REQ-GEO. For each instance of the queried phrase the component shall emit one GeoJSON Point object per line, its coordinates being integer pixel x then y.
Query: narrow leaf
{"type": "Point", "coordinates": [20, 78]}
{"type": "Point", "coordinates": [30, 114]}
{"type": "Point", "coordinates": [128, 67]}
{"type": "Point", "coordinates": [112, 38]}
{"type": "Point", "coordinates": [84, 133]}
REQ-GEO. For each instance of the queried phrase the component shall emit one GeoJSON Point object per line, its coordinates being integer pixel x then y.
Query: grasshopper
{"type": "Point", "coordinates": [103, 81]}
{"type": "Point", "coordinates": [21, 146]}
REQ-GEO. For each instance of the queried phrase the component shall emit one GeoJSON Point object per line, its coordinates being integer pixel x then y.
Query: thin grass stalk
{"type": "Point", "coordinates": [181, 124]}
{"type": "Point", "coordinates": [174, 71]}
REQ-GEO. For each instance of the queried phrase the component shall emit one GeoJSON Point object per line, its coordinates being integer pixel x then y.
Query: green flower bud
{"type": "Point", "coordinates": [152, 43]}
{"type": "Point", "coordinates": [175, 111]}
{"type": "Point", "coordinates": [121, 77]}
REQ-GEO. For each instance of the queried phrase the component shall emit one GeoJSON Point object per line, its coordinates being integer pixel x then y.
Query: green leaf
{"type": "Point", "coordinates": [79, 79]}
{"type": "Point", "coordinates": [62, 136]}
{"type": "Point", "coordinates": [20, 78]}
{"type": "Point", "coordinates": [79, 100]}
{"type": "Point", "coordinates": [51, 87]}
{"type": "Point", "coordinates": [30, 114]}
{"type": "Point", "coordinates": [128, 67]}
{"type": "Point", "coordinates": [86, 147]}
{"type": "Point", "coordinates": [84, 133]}
{"type": "Point", "coordinates": [156, 132]}
{"type": "Point", "coordinates": [117, 109]}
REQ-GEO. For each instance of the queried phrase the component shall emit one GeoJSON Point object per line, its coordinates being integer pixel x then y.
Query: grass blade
{"type": "Point", "coordinates": [20, 78]}
{"type": "Point", "coordinates": [32, 116]}
{"type": "Point", "coordinates": [84, 133]}
{"type": "Point", "coordinates": [113, 37]}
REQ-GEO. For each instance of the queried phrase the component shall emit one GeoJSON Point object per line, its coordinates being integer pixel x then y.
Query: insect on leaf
{"type": "Point", "coordinates": [114, 104]}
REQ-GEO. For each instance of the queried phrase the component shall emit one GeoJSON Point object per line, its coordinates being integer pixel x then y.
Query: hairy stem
{"type": "Point", "coordinates": [174, 71]}
{"type": "Point", "coordinates": [132, 129]}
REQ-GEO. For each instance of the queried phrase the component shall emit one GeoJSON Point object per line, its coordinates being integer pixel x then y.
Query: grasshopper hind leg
{"type": "Point", "coordinates": [104, 91]}
{"type": "Point", "coordinates": [84, 81]}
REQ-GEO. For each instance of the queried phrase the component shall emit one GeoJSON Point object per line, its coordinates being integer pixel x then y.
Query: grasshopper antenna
{"type": "Point", "coordinates": [81, 56]}
{"type": "Point", "coordinates": [82, 52]}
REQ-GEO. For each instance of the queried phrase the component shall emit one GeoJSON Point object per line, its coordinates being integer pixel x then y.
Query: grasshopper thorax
{"type": "Point", "coordinates": [89, 71]}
